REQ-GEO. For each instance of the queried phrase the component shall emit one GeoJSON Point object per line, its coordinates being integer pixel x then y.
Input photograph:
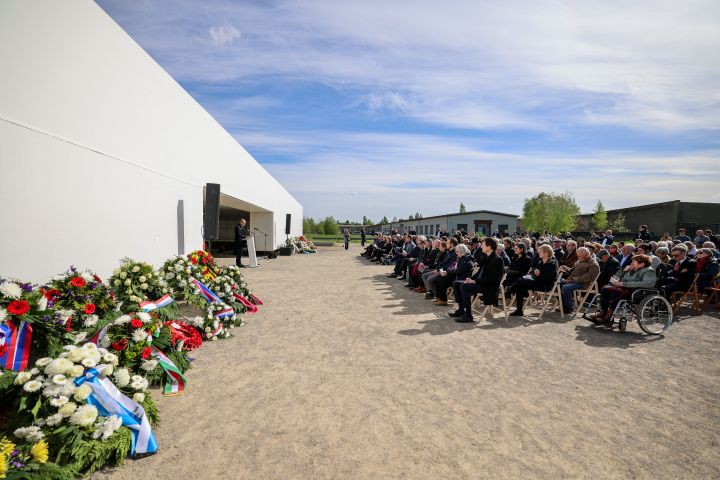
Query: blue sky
{"type": "Point", "coordinates": [395, 107]}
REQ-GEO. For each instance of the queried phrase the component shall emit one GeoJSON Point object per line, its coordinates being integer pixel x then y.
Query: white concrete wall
{"type": "Point", "coordinates": [86, 113]}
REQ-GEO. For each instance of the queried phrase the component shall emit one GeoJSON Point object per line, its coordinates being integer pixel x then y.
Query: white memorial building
{"type": "Point", "coordinates": [103, 155]}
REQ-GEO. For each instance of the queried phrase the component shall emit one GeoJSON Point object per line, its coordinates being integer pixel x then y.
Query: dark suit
{"type": "Point", "coordinates": [627, 261]}
{"type": "Point", "coordinates": [462, 270]}
{"type": "Point", "coordinates": [607, 270]}
{"type": "Point", "coordinates": [240, 243]}
{"type": "Point", "coordinates": [680, 277]}
{"type": "Point", "coordinates": [487, 282]}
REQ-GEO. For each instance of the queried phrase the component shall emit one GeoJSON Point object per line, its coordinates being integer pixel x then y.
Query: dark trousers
{"type": "Point", "coordinates": [443, 283]}
{"type": "Point", "coordinates": [464, 292]}
{"type": "Point", "coordinates": [671, 287]}
{"type": "Point", "coordinates": [401, 266]}
{"type": "Point", "coordinates": [521, 287]}
{"type": "Point", "coordinates": [239, 246]}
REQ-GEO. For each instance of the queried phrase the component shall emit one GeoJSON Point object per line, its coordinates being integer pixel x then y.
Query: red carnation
{"type": "Point", "coordinates": [89, 308]}
{"type": "Point", "coordinates": [204, 261]}
{"type": "Point", "coordinates": [77, 282]}
{"type": "Point", "coordinates": [146, 352]}
{"type": "Point", "coordinates": [68, 324]}
{"type": "Point", "coordinates": [193, 260]}
{"type": "Point", "coordinates": [117, 346]}
{"type": "Point", "coordinates": [18, 307]}
{"type": "Point", "coordinates": [135, 323]}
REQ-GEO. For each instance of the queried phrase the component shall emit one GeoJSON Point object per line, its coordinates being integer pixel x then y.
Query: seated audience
{"type": "Point", "coordinates": [625, 256]}
{"type": "Point", "coordinates": [639, 274]}
{"type": "Point", "coordinates": [642, 234]}
{"type": "Point", "coordinates": [430, 278]}
{"type": "Point", "coordinates": [701, 238]}
{"type": "Point", "coordinates": [707, 269]}
{"type": "Point", "coordinates": [519, 267]}
{"type": "Point", "coordinates": [501, 253]}
{"type": "Point", "coordinates": [647, 250]}
{"type": "Point", "coordinates": [580, 277]}
{"type": "Point", "coordinates": [609, 265]}
{"type": "Point", "coordinates": [570, 256]}
{"type": "Point", "coordinates": [541, 278]}
{"type": "Point", "coordinates": [460, 270]}
{"type": "Point", "coordinates": [681, 272]}
{"type": "Point", "coordinates": [486, 281]}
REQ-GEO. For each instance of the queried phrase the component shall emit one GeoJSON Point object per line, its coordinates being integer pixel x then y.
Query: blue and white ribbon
{"type": "Point", "coordinates": [110, 401]}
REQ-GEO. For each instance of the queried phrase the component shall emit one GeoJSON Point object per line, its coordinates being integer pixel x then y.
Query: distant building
{"type": "Point", "coordinates": [667, 217]}
{"type": "Point", "coordinates": [479, 221]}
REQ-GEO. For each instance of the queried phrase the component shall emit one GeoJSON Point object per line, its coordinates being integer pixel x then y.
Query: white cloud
{"type": "Point", "coordinates": [224, 34]}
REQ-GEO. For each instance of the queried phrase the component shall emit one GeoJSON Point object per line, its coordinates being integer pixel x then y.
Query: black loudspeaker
{"type": "Point", "coordinates": [287, 224]}
{"type": "Point", "coordinates": [211, 221]}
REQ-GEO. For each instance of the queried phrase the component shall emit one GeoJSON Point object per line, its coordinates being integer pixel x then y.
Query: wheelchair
{"type": "Point", "coordinates": [653, 312]}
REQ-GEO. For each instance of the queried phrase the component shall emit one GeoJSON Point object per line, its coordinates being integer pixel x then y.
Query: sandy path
{"type": "Point", "coordinates": [345, 373]}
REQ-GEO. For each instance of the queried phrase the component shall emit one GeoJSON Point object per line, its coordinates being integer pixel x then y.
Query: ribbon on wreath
{"type": "Point", "coordinates": [98, 336]}
{"type": "Point", "coordinates": [15, 345]}
{"type": "Point", "coordinates": [250, 306]}
{"type": "Point", "coordinates": [148, 305]}
{"type": "Point", "coordinates": [211, 297]}
{"type": "Point", "coordinates": [255, 299]}
{"type": "Point", "coordinates": [110, 401]}
{"type": "Point", "coordinates": [176, 382]}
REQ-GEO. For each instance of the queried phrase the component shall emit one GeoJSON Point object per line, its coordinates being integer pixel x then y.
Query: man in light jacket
{"type": "Point", "coordinates": [581, 276]}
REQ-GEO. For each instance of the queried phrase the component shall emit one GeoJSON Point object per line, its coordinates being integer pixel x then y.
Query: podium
{"type": "Point", "coordinates": [251, 252]}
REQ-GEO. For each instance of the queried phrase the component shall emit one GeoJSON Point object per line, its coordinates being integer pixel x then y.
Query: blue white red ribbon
{"type": "Point", "coordinates": [249, 305]}
{"type": "Point", "coordinates": [18, 341]}
{"type": "Point", "coordinates": [110, 401]}
{"type": "Point", "coordinates": [211, 297]}
{"type": "Point", "coordinates": [148, 305]}
{"type": "Point", "coordinates": [98, 336]}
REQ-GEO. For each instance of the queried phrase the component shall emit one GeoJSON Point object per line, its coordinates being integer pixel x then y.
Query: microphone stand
{"type": "Point", "coordinates": [266, 235]}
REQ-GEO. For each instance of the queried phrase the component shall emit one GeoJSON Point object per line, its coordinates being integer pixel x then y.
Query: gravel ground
{"type": "Point", "coordinates": [344, 373]}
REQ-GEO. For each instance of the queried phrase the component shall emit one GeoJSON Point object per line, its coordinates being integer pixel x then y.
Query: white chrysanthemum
{"type": "Point", "coordinates": [90, 346]}
{"type": "Point", "coordinates": [139, 397]}
{"type": "Point", "coordinates": [43, 361]}
{"type": "Point", "coordinates": [122, 320]}
{"type": "Point", "coordinates": [81, 337]}
{"type": "Point", "coordinates": [136, 385]}
{"type": "Point", "coordinates": [53, 420]}
{"type": "Point", "coordinates": [88, 363]}
{"type": "Point", "coordinates": [102, 351]}
{"type": "Point", "coordinates": [59, 401]}
{"type": "Point", "coordinates": [53, 390]}
{"type": "Point", "coordinates": [183, 283]}
{"type": "Point", "coordinates": [149, 365]}
{"type": "Point", "coordinates": [67, 409]}
{"type": "Point", "coordinates": [139, 335]}
{"type": "Point", "coordinates": [123, 275]}
{"type": "Point", "coordinates": [34, 436]}
{"type": "Point", "coordinates": [34, 371]}
{"type": "Point", "coordinates": [136, 378]}
{"type": "Point", "coordinates": [77, 355]}
{"type": "Point", "coordinates": [84, 415]}
{"type": "Point", "coordinates": [32, 386]}
{"type": "Point", "coordinates": [70, 348]}
{"type": "Point", "coordinates": [59, 379]}
{"type": "Point", "coordinates": [110, 358]}
{"type": "Point", "coordinates": [59, 365]}
{"type": "Point", "coordinates": [106, 427]}
{"type": "Point", "coordinates": [87, 276]}
{"type": "Point", "coordinates": [90, 320]}
{"type": "Point", "coordinates": [135, 269]}
{"type": "Point", "coordinates": [105, 341]}
{"type": "Point", "coordinates": [76, 371]}
{"type": "Point", "coordinates": [122, 377]}
{"type": "Point", "coordinates": [144, 317]}
{"type": "Point", "coordinates": [69, 387]}
{"type": "Point", "coordinates": [11, 290]}
{"type": "Point", "coordinates": [42, 303]}
{"type": "Point", "coordinates": [3, 315]}
{"type": "Point", "coordinates": [82, 392]}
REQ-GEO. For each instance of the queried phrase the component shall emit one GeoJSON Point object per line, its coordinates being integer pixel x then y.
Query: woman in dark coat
{"type": "Point", "coordinates": [543, 278]}
{"type": "Point", "coordinates": [707, 269]}
{"type": "Point", "coordinates": [519, 267]}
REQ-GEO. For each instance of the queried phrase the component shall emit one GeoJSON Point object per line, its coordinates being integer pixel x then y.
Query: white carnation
{"type": "Point", "coordinates": [122, 320]}
{"type": "Point", "coordinates": [105, 341]}
{"type": "Point", "coordinates": [35, 437]}
{"type": "Point", "coordinates": [10, 290]}
{"type": "Point", "coordinates": [144, 316]}
{"type": "Point", "coordinates": [53, 420]}
{"type": "Point", "coordinates": [122, 377]}
{"type": "Point", "coordinates": [90, 320]}
{"type": "Point", "coordinates": [149, 365]}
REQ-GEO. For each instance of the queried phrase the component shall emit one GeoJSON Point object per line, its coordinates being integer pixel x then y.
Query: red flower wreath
{"type": "Point", "coordinates": [77, 282]}
{"type": "Point", "coordinates": [189, 335]}
{"type": "Point", "coordinates": [18, 307]}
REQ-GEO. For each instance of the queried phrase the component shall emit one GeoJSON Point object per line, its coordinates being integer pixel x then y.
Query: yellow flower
{"type": "Point", "coordinates": [6, 446]}
{"type": "Point", "coordinates": [3, 465]}
{"type": "Point", "coordinates": [39, 451]}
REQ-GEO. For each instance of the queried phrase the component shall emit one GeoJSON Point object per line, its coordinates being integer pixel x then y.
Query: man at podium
{"type": "Point", "coordinates": [240, 242]}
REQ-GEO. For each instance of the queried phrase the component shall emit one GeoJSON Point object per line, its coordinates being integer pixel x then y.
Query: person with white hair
{"type": "Point", "coordinates": [580, 277]}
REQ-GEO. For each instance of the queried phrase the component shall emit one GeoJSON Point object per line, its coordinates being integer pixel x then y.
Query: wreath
{"type": "Point", "coordinates": [187, 334]}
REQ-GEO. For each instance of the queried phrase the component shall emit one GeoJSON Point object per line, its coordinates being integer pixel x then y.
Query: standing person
{"type": "Point", "coordinates": [643, 234]}
{"type": "Point", "coordinates": [362, 238]}
{"type": "Point", "coordinates": [240, 242]}
{"type": "Point", "coordinates": [347, 239]}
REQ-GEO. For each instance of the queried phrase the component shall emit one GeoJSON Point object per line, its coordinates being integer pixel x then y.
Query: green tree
{"type": "Point", "coordinates": [554, 212]}
{"type": "Point", "coordinates": [618, 224]}
{"type": "Point", "coordinates": [385, 221]}
{"type": "Point", "coordinates": [600, 219]}
{"type": "Point", "coordinates": [320, 228]}
{"type": "Point", "coordinates": [367, 221]}
{"type": "Point", "coordinates": [394, 219]}
{"type": "Point", "coordinates": [306, 226]}
{"type": "Point", "coordinates": [462, 208]}
{"type": "Point", "coordinates": [330, 226]}
{"type": "Point", "coordinates": [411, 217]}
{"type": "Point", "coordinates": [418, 216]}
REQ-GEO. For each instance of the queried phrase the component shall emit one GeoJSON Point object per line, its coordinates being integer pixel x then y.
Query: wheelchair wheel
{"type": "Point", "coordinates": [654, 315]}
{"type": "Point", "coordinates": [622, 325]}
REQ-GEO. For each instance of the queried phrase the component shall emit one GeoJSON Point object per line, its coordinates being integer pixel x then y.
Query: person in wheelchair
{"type": "Point", "coordinates": [639, 274]}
